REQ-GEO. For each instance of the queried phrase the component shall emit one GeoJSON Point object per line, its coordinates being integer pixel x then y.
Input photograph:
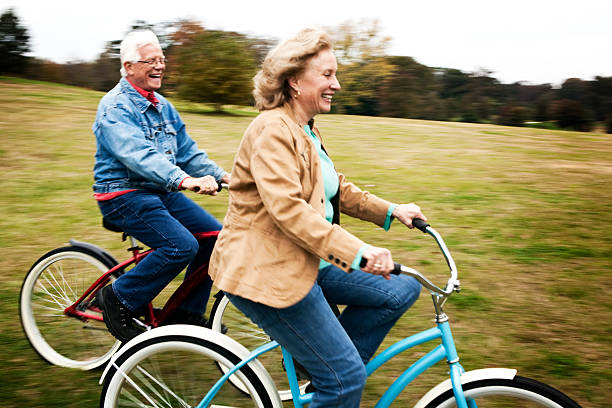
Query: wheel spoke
{"type": "Point", "coordinates": [162, 386]}
{"type": "Point", "coordinates": [52, 285]}
{"type": "Point", "coordinates": [60, 286]}
{"type": "Point", "coordinates": [178, 371]}
{"type": "Point", "coordinates": [53, 296]}
{"type": "Point", "coordinates": [135, 386]}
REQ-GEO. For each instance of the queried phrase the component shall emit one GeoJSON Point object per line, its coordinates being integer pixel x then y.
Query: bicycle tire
{"type": "Point", "coordinates": [225, 315]}
{"type": "Point", "coordinates": [518, 392]}
{"type": "Point", "coordinates": [55, 281]}
{"type": "Point", "coordinates": [175, 370]}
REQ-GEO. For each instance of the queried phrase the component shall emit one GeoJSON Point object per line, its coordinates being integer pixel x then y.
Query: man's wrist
{"type": "Point", "coordinates": [180, 186]}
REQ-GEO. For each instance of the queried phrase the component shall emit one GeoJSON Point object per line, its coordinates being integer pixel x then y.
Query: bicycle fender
{"type": "Point", "coordinates": [181, 329]}
{"type": "Point", "coordinates": [201, 333]}
{"type": "Point", "coordinates": [467, 377]}
{"type": "Point", "coordinates": [96, 250]}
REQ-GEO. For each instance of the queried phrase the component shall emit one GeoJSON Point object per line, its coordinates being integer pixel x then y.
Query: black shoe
{"type": "Point", "coordinates": [118, 319]}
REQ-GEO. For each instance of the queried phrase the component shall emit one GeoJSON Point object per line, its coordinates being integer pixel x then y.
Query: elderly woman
{"type": "Point", "coordinates": [282, 252]}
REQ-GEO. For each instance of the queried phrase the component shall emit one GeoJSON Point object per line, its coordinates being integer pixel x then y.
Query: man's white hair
{"type": "Point", "coordinates": [130, 46]}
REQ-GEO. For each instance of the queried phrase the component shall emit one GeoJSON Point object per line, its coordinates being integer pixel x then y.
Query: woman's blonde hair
{"type": "Point", "coordinates": [286, 59]}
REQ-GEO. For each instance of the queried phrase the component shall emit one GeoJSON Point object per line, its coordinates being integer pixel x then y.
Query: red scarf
{"type": "Point", "coordinates": [147, 94]}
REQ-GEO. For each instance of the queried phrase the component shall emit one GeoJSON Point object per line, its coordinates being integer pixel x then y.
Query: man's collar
{"type": "Point", "coordinates": [149, 95]}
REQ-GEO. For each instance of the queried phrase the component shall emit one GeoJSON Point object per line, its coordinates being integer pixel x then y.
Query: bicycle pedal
{"type": "Point", "coordinates": [141, 324]}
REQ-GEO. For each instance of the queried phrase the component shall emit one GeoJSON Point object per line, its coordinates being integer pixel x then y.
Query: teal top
{"type": "Point", "coordinates": [331, 185]}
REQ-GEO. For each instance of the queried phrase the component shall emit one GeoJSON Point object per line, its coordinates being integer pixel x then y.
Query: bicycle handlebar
{"type": "Point", "coordinates": [220, 186]}
{"type": "Point", "coordinates": [420, 224]}
{"type": "Point", "coordinates": [452, 284]}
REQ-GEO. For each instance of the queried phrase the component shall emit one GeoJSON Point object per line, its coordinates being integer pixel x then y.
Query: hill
{"type": "Point", "coordinates": [526, 213]}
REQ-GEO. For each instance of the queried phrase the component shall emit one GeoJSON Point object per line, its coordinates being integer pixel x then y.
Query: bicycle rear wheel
{"type": "Point", "coordinates": [519, 392]}
{"type": "Point", "coordinates": [177, 371]}
{"type": "Point", "coordinates": [54, 282]}
{"type": "Point", "coordinates": [244, 331]}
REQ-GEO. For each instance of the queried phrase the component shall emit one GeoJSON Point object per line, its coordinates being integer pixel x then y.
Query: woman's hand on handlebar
{"type": "Point", "coordinates": [201, 185]}
{"type": "Point", "coordinates": [379, 261]}
{"type": "Point", "coordinates": [407, 212]}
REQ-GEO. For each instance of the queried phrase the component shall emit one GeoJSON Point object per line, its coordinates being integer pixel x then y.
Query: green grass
{"type": "Point", "coordinates": [526, 212]}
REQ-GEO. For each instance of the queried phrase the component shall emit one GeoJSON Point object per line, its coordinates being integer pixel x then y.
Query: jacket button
{"type": "Point", "coordinates": [344, 264]}
{"type": "Point", "coordinates": [322, 201]}
{"type": "Point", "coordinates": [330, 257]}
{"type": "Point", "coordinates": [337, 260]}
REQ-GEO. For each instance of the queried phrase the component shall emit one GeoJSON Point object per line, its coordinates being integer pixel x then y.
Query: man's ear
{"type": "Point", "coordinates": [127, 65]}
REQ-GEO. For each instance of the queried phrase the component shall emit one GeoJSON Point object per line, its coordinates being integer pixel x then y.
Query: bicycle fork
{"type": "Point", "coordinates": [445, 350]}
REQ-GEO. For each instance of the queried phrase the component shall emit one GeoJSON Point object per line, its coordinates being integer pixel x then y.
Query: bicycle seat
{"type": "Point", "coordinates": [110, 226]}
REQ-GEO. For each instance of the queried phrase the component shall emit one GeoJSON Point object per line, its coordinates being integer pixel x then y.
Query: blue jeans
{"type": "Point", "coordinates": [335, 350]}
{"type": "Point", "coordinates": [167, 223]}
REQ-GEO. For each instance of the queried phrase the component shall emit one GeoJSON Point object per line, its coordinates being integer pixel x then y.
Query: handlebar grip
{"type": "Point", "coordinates": [363, 262]}
{"type": "Point", "coordinates": [220, 187]}
{"type": "Point", "coordinates": [420, 224]}
{"type": "Point", "coordinates": [397, 268]}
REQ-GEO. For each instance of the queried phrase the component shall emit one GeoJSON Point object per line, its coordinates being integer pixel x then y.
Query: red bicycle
{"type": "Point", "coordinates": [58, 309]}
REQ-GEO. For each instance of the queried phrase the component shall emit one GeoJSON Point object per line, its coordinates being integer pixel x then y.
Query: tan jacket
{"type": "Point", "coordinates": [275, 231]}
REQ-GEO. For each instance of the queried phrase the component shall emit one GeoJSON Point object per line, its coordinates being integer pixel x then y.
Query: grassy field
{"type": "Point", "coordinates": [527, 214]}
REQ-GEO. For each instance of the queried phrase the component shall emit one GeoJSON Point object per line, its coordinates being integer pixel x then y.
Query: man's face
{"type": "Point", "coordinates": [144, 75]}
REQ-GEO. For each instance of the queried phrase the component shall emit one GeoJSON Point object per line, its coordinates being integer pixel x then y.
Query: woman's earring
{"type": "Point", "coordinates": [297, 94]}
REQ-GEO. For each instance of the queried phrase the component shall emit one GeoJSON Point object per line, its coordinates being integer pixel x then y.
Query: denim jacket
{"type": "Point", "coordinates": [143, 146]}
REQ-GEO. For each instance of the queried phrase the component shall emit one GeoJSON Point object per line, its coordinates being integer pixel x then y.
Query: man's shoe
{"type": "Point", "coordinates": [118, 319]}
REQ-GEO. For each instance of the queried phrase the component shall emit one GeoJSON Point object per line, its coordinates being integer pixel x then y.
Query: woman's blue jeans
{"type": "Point", "coordinates": [167, 223]}
{"type": "Point", "coordinates": [333, 349]}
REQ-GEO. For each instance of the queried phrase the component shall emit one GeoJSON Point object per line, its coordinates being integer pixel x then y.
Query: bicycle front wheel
{"type": "Point", "coordinates": [177, 371]}
{"type": "Point", "coordinates": [519, 392]}
{"type": "Point", "coordinates": [56, 281]}
{"type": "Point", "coordinates": [239, 327]}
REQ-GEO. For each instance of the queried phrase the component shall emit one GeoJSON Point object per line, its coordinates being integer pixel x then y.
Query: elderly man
{"type": "Point", "coordinates": [144, 157]}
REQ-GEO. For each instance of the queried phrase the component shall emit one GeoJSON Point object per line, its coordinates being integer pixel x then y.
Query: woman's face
{"type": "Point", "coordinates": [317, 84]}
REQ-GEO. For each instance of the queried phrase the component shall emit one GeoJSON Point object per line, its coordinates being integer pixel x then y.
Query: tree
{"type": "Point", "coordinates": [411, 92]}
{"type": "Point", "coordinates": [14, 44]}
{"type": "Point", "coordinates": [357, 42]}
{"type": "Point", "coordinates": [216, 67]}
{"type": "Point", "coordinates": [570, 114]}
{"type": "Point", "coordinates": [105, 69]}
{"type": "Point", "coordinates": [363, 68]}
{"type": "Point", "coordinates": [513, 115]}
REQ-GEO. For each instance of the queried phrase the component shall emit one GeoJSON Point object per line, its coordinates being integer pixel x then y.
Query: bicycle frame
{"type": "Point", "coordinates": [442, 332]}
{"type": "Point", "coordinates": [446, 349]}
{"type": "Point", "coordinates": [79, 308]}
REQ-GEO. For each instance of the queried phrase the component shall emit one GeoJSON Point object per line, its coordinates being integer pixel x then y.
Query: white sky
{"type": "Point", "coordinates": [535, 41]}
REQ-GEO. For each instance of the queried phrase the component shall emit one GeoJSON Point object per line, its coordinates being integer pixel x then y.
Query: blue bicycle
{"type": "Point", "coordinates": [178, 366]}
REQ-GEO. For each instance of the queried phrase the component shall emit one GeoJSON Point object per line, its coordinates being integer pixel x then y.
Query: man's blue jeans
{"type": "Point", "coordinates": [335, 350]}
{"type": "Point", "coordinates": [167, 223]}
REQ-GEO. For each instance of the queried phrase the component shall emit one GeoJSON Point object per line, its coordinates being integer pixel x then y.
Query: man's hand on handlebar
{"type": "Point", "coordinates": [201, 185]}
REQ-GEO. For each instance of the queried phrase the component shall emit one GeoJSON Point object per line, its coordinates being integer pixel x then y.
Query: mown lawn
{"type": "Point", "coordinates": [526, 213]}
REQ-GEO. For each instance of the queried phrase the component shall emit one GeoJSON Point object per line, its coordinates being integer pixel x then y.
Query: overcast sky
{"type": "Point", "coordinates": [535, 41]}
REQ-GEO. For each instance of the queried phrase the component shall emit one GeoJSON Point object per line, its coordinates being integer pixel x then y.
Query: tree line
{"type": "Point", "coordinates": [216, 67]}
